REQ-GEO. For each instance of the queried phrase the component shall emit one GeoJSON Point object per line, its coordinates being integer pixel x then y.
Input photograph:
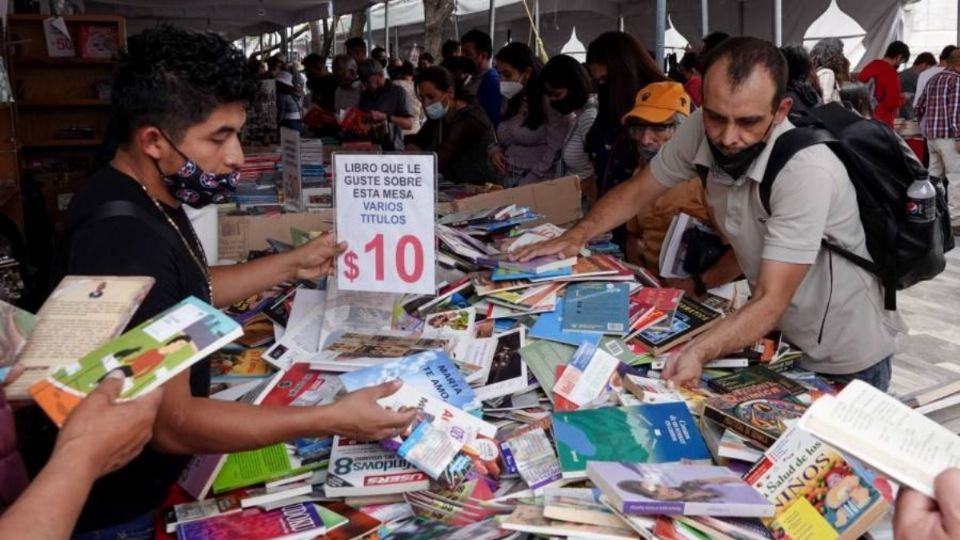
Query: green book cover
{"type": "Point", "coordinates": [253, 467]}
{"type": "Point", "coordinates": [542, 358]}
{"type": "Point", "coordinates": [649, 433]}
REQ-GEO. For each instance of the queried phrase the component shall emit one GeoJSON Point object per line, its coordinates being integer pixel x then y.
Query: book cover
{"type": "Point", "coordinates": [677, 489]}
{"type": "Point", "coordinates": [149, 355]}
{"type": "Point", "coordinates": [430, 372]}
{"type": "Point", "coordinates": [301, 386]}
{"type": "Point", "coordinates": [586, 378]}
{"type": "Point", "coordinates": [549, 326]}
{"type": "Point", "coordinates": [17, 325]}
{"type": "Point", "coordinates": [529, 519]}
{"type": "Point", "coordinates": [649, 433]}
{"type": "Point", "coordinates": [663, 300]}
{"type": "Point", "coordinates": [752, 375]}
{"type": "Point", "coordinates": [691, 319]}
{"type": "Point", "coordinates": [597, 307]}
{"type": "Point", "coordinates": [358, 525]}
{"type": "Point", "coordinates": [196, 510]}
{"type": "Point", "coordinates": [238, 364]}
{"type": "Point", "coordinates": [363, 469]}
{"type": "Point", "coordinates": [816, 492]}
{"type": "Point", "coordinates": [257, 332]}
{"type": "Point", "coordinates": [81, 314]}
{"type": "Point", "coordinates": [538, 265]}
{"type": "Point", "coordinates": [759, 412]}
{"type": "Point", "coordinates": [296, 521]}
{"type": "Point", "coordinates": [542, 359]}
{"type": "Point", "coordinates": [578, 505]}
{"type": "Point", "coordinates": [244, 469]}
{"type": "Point", "coordinates": [502, 274]}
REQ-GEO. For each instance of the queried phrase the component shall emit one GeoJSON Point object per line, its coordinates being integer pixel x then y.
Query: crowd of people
{"type": "Point", "coordinates": [647, 145]}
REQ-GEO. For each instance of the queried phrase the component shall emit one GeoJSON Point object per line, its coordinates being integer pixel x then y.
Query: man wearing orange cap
{"type": "Point", "coordinates": [659, 108]}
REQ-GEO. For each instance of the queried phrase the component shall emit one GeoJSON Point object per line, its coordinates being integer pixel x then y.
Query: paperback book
{"type": "Point", "coordinates": [690, 319]}
{"type": "Point", "coordinates": [598, 307]}
{"type": "Point", "coordinates": [760, 412]}
{"type": "Point", "coordinates": [366, 469]}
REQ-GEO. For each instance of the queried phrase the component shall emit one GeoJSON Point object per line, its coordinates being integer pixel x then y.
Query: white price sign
{"type": "Point", "coordinates": [385, 212]}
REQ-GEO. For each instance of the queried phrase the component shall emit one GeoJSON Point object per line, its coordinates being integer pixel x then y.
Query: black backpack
{"type": "Point", "coordinates": [881, 167]}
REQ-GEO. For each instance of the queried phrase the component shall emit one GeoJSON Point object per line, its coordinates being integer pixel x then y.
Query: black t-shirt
{"type": "Point", "coordinates": [125, 246]}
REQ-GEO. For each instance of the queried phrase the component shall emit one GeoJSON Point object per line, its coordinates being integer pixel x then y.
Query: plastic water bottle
{"type": "Point", "coordinates": [921, 201]}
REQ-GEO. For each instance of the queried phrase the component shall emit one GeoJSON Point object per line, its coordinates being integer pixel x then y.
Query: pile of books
{"type": "Point", "coordinates": [541, 408]}
{"type": "Point", "coordinates": [317, 186]}
{"type": "Point", "coordinates": [259, 178]}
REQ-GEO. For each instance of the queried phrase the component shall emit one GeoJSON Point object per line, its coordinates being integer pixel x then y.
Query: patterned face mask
{"type": "Point", "coordinates": [196, 187]}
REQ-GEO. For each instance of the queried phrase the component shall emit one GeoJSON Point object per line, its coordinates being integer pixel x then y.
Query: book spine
{"type": "Point", "coordinates": [737, 426]}
{"type": "Point", "coordinates": [653, 508]}
{"type": "Point", "coordinates": [740, 510]}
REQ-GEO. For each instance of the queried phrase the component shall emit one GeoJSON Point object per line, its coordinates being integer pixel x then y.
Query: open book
{"type": "Point", "coordinates": [884, 433]}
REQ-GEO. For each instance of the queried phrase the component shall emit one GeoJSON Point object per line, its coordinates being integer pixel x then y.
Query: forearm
{"type": "Point", "coordinates": [236, 282]}
{"type": "Point", "coordinates": [620, 204]}
{"type": "Point", "coordinates": [402, 122]}
{"type": "Point", "coordinates": [744, 327]}
{"type": "Point", "coordinates": [209, 426]}
{"type": "Point", "coordinates": [49, 508]}
{"type": "Point", "coordinates": [725, 270]}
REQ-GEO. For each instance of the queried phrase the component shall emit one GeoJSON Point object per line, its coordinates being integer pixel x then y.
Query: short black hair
{"type": "Point", "coordinates": [519, 56]}
{"type": "Point", "coordinates": [426, 57]}
{"type": "Point", "coordinates": [450, 46]}
{"type": "Point", "coordinates": [564, 71]}
{"type": "Point", "coordinates": [275, 61]}
{"type": "Point", "coordinates": [377, 51]}
{"type": "Point", "coordinates": [313, 59]}
{"type": "Point", "coordinates": [897, 48]}
{"type": "Point", "coordinates": [945, 53]}
{"type": "Point", "coordinates": [460, 64]}
{"type": "Point", "coordinates": [799, 65]}
{"type": "Point", "coordinates": [174, 79]}
{"type": "Point", "coordinates": [481, 41]}
{"type": "Point", "coordinates": [403, 70]}
{"type": "Point", "coordinates": [354, 43]}
{"type": "Point", "coordinates": [744, 54]}
{"type": "Point", "coordinates": [690, 60]}
{"type": "Point", "coordinates": [711, 40]}
{"type": "Point", "coordinates": [437, 76]}
{"type": "Point", "coordinates": [925, 58]}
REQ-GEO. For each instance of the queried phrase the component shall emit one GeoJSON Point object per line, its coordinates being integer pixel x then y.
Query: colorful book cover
{"type": "Point", "coordinates": [660, 299]}
{"type": "Point", "coordinates": [431, 372]}
{"type": "Point", "coordinates": [816, 491]}
{"type": "Point", "coordinates": [502, 274]}
{"type": "Point", "coordinates": [587, 377]}
{"type": "Point", "coordinates": [296, 521]}
{"type": "Point", "coordinates": [759, 412]}
{"type": "Point", "coordinates": [244, 469]}
{"type": "Point", "coordinates": [649, 433]}
{"type": "Point", "coordinates": [752, 375]}
{"type": "Point", "coordinates": [238, 364]}
{"type": "Point", "coordinates": [549, 326]}
{"type": "Point", "coordinates": [580, 505]}
{"type": "Point", "coordinates": [149, 355]}
{"type": "Point", "coordinates": [301, 386]}
{"type": "Point", "coordinates": [690, 319]}
{"type": "Point", "coordinates": [529, 519]}
{"type": "Point", "coordinates": [358, 524]}
{"type": "Point", "coordinates": [601, 307]}
{"type": "Point", "coordinates": [17, 325]}
{"type": "Point", "coordinates": [203, 509]}
{"type": "Point", "coordinates": [257, 332]}
{"type": "Point", "coordinates": [363, 469]}
{"type": "Point", "coordinates": [677, 489]}
{"type": "Point", "coordinates": [542, 358]}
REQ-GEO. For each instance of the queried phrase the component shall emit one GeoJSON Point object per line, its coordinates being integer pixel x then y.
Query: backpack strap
{"type": "Point", "coordinates": [787, 145]}
{"type": "Point", "coordinates": [702, 172]}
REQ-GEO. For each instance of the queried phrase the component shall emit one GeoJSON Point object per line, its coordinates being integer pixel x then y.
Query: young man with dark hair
{"type": "Point", "coordinates": [925, 77]}
{"type": "Point", "coordinates": [450, 49]}
{"type": "Point", "coordinates": [179, 102]}
{"type": "Point", "coordinates": [485, 84]}
{"type": "Point", "coordinates": [425, 61]}
{"type": "Point", "coordinates": [320, 82]}
{"type": "Point", "coordinates": [356, 47]}
{"type": "Point", "coordinates": [909, 79]}
{"type": "Point", "coordinates": [886, 82]}
{"type": "Point", "coordinates": [387, 104]}
{"type": "Point", "coordinates": [380, 55]}
{"type": "Point", "coordinates": [824, 304]}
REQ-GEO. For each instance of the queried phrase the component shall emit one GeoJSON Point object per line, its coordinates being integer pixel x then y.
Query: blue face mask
{"type": "Point", "coordinates": [435, 111]}
{"type": "Point", "coordinates": [196, 187]}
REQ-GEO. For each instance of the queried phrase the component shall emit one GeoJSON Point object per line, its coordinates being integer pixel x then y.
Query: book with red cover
{"type": "Point", "coordinates": [296, 521]}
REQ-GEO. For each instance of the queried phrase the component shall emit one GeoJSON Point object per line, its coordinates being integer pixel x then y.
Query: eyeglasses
{"type": "Point", "coordinates": [637, 130]}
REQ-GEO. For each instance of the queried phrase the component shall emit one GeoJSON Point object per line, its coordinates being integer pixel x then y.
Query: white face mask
{"type": "Point", "coordinates": [508, 89]}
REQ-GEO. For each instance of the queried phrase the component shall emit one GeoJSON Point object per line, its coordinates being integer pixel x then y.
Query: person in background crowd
{"type": "Point", "coordinates": [832, 68]}
{"type": "Point", "coordinates": [825, 305]}
{"type": "Point", "coordinates": [402, 76]}
{"type": "Point", "coordinates": [349, 88]}
{"type": "Point", "coordinates": [531, 134]}
{"type": "Point", "coordinates": [299, 79]}
{"type": "Point", "coordinates": [289, 114]}
{"type": "Point", "coordinates": [659, 109]}
{"type": "Point", "coordinates": [321, 83]}
{"type": "Point", "coordinates": [886, 83]}
{"type": "Point", "coordinates": [425, 61]}
{"type": "Point", "coordinates": [925, 77]}
{"type": "Point", "coordinates": [275, 64]}
{"type": "Point", "coordinates": [462, 69]}
{"type": "Point", "coordinates": [387, 104]}
{"type": "Point", "coordinates": [918, 517]}
{"type": "Point", "coordinates": [908, 81]}
{"type": "Point", "coordinates": [619, 67]}
{"type": "Point", "coordinates": [255, 65]}
{"type": "Point", "coordinates": [456, 129]}
{"type": "Point", "coordinates": [380, 55]}
{"type": "Point", "coordinates": [857, 97]}
{"type": "Point", "coordinates": [485, 83]}
{"type": "Point", "coordinates": [180, 101]}
{"type": "Point", "coordinates": [450, 49]}
{"type": "Point", "coordinates": [567, 85]}
{"type": "Point", "coordinates": [100, 436]}
{"type": "Point", "coordinates": [803, 86]}
{"type": "Point", "coordinates": [939, 114]}
{"type": "Point", "coordinates": [708, 43]}
{"type": "Point", "coordinates": [690, 69]}
{"type": "Point", "coordinates": [356, 48]}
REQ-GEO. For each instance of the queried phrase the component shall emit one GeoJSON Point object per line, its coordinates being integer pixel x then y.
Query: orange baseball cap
{"type": "Point", "coordinates": [658, 102]}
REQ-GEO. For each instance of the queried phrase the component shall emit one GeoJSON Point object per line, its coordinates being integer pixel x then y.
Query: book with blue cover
{"type": "Point", "coordinates": [431, 372]}
{"type": "Point", "coordinates": [677, 489]}
{"type": "Point", "coordinates": [600, 307]}
{"type": "Point", "coordinates": [504, 274]}
{"type": "Point", "coordinates": [649, 433]}
{"type": "Point", "coordinates": [549, 326]}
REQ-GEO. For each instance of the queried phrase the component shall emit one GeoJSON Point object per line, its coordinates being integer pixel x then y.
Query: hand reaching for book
{"type": "Point", "coordinates": [683, 370]}
{"type": "Point", "coordinates": [358, 416]}
{"type": "Point", "coordinates": [918, 517]}
{"type": "Point", "coordinates": [567, 244]}
{"type": "Point", "coordinates": [317, 257]}
{"type": "Point", "coordinates": [106, 435]}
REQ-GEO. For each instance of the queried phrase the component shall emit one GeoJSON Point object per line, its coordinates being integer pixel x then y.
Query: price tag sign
{"type": "Point", "coordinates": [385, 213]}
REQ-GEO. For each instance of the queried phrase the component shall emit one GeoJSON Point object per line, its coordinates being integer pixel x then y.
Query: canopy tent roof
{"type": "Point", "coordinates": [867, 25]}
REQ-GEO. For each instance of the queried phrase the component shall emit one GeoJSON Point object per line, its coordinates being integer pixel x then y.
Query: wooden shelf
{"type": "Point", "coordinates": [62, 142]}
{"type": "Point", "coordinates": [79, 102]}
{"type": "Point", "coordinates": [70, 61]}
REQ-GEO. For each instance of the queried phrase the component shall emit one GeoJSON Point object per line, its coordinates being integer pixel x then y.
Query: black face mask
{"type": "Point", "coordinates": [736, 164]}
{"type": "Point", "coordinates": [565, 105]}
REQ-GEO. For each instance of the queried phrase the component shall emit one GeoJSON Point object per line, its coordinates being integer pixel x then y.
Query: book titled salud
{"type": "Point", "coordinates": [149, 355]}
{"type": "Point", "coordinates": [677, 489]}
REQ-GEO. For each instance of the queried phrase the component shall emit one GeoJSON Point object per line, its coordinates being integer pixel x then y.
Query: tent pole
{"type": "Point", "coordinates": [536, 23]}
{"type": "Point", "coordinates": [661, 30]}
{"type": "Point", "coordinates": [386, 27]}
{"type": "Point", "coordinates": [456, 21]}
{"type": "Point", "coordinates": [705, 16]}
{"type": "Point", "coordinates": [369, 30]}
{"type": "Point", "coordinates": [493, 17]}
{"type": "Point", "coordinates": [778, 22]}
